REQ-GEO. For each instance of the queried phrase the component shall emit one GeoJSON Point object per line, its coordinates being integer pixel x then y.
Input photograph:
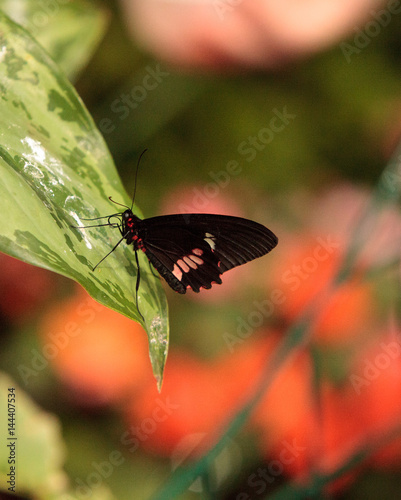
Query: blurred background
{"type": "Point", "coordinates": [287, 115]}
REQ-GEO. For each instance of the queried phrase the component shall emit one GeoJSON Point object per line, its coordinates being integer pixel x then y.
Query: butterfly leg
{"type": "Point", "coordinates": [138, 279]}
{"type": "Point", "coordinates": [111, 251]}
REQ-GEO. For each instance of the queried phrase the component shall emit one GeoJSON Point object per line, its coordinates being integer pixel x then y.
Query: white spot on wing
{"type": "Point", "coordinates": [210, 240]}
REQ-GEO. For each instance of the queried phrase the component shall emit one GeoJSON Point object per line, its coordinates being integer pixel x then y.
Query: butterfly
{"type": "Point", "coordinates": [191, 251]}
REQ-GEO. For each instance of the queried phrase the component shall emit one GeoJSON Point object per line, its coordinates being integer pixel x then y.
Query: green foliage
{"type": "Point", "coordinates": [55, 170]}
{"type": "Point", "coordinates": [69, 31]}
{"type": "Point", "coordinates": [39, 448]}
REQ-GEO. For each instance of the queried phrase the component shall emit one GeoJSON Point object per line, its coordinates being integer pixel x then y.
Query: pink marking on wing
{"type": "Point", "coordinates": [191, 262]}
{"type": "Point", "coordinates": [184, 267]}
{"type": "Point", "coordinates": [196, 260]}
{"type": "Point", "coordinates": [177, 272]}
{"type": "Point", "coordinates": [197, 251]}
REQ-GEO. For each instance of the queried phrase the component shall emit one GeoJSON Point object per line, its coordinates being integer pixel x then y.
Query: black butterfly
{"type": "Point", "coordinates": [192, 250]}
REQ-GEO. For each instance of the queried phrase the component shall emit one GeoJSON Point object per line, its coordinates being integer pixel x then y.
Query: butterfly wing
{"type": "Point", "coordinates": [193, 250]}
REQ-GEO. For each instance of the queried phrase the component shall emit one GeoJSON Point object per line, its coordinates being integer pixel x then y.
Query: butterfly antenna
{"type": "Point", "coordinates": [116, 203]}
{"type": "Point", "coordinates": [98, 218]}
{"type": "Point", "coordinates": [136, 176]}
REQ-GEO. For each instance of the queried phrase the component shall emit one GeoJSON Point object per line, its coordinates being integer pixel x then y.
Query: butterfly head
{"type": "Point", "coordinates": [127, 215]}
{"type": "Point", "coordinates": [129, 222]}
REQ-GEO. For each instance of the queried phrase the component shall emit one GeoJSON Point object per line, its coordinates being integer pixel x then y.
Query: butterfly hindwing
{"type": "Point", "coordinates": [193, 250]}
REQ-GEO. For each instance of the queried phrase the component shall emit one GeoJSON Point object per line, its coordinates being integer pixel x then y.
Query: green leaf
{"type": "Point", "coordinates": [39, 449]}
{"type": "Point", "coordinates": [69, 31]}
{"type": "Point", "coordinates": [55, 169]}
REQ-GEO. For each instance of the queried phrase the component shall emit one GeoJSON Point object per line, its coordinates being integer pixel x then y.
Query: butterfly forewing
{"type": "Point", "coordinates": [193, 250]}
